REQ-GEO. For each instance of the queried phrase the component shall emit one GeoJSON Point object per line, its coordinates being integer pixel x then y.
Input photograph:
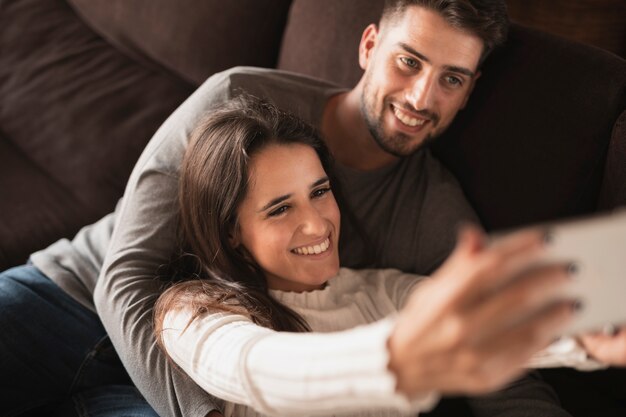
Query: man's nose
{"type": "Point", "coordinates": [421, 94]}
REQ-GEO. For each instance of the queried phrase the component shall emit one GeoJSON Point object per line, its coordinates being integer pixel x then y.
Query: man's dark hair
{"type": "Point", "coordinates": [487, 19]}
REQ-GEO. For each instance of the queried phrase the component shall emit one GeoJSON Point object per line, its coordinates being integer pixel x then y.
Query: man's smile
{"type": "Point", "coordinates": [407, 119]}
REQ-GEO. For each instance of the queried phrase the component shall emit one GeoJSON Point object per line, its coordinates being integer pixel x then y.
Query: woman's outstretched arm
{"type": "Point", "coordinates": [288, 373]}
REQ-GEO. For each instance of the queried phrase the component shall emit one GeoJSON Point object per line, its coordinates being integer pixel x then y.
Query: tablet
{"type": "Point", "coordinates": [596, 248]}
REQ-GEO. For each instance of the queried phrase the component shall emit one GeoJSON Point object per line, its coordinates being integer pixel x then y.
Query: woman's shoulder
{"type": "Point", "coordinates": [394, 283]}
{"type": "Point", "coordinates": [375, 277]}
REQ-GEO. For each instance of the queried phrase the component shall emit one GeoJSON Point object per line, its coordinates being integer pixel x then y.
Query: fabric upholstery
{"type": "Point", "coordinates": [192, 38]}
{"type": "Point", "coordinates": [322, 38]}
{"type": "Point", "coordinates": [77, 113]}
{"type": "Point", "coordinates": [34, 209]}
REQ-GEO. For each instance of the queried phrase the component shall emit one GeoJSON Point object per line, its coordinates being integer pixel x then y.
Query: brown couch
{"type": "Point", "coordinates": [85, 83]}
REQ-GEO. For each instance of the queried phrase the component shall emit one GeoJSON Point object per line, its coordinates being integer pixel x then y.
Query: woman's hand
{"type": "Point", "coordinates": [609, 349]}
{"type": "Point", "coordinates": [471, 328]}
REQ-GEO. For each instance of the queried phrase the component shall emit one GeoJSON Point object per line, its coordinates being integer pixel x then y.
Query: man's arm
{"type": "Point", "coordinates": [529, 395]}
{"type": "Point", "coordinates": [143, 239]}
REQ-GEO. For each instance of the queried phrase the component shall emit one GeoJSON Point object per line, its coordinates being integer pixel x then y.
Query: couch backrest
{"type": "Point", "coordinates": [193, 39]}
{"type": "Point", "coordinates": [322, 38]}
{"type": "Point", "coordinates": [75, 114]}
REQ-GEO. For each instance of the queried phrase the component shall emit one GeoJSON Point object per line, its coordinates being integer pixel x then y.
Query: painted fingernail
{"type": "Point", "coordinates": [609, 330]}
{"type": "Point", "coordinates": [572, 269]}
{"type": "Point", "coordinates": [548, 237]}
{"type": "Point", "coordinates": [577, 305]}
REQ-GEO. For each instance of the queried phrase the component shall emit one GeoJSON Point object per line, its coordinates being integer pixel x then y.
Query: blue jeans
{"type": "Point", "coordinates": [55, 356]}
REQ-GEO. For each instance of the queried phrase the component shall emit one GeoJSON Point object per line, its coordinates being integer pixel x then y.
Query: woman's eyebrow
{"type": "Point", "coordinates": [275, 201]}
{"type": "Point", "coordinates": [320, 182]}
{"type": "Point", "coordinates": [282, 198]}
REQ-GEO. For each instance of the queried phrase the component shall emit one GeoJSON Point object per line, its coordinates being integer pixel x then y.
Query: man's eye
{"type": "Point", "coordinates": [409, 62]}
{"type": "Point", "coordinates": [454, 81]}
{"type": "Point", "coordinates": [320, 192]}
{"type": "Point", "coordinates": [277, 212]}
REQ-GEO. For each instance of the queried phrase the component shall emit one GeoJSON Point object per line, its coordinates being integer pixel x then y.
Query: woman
{"type": "Point", "coordinates": [258, 214]}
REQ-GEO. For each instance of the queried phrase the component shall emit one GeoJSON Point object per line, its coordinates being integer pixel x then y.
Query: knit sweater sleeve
{"type": "Point", "coordinates": [565, 352]}
{"type": "Point", "coordinates": [280, 373]}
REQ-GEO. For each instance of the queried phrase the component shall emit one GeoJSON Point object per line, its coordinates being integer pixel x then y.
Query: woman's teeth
{"type": "Point", "coordinates": [407, 120]}
{"type": "Point", "coordinates": [313, 250]}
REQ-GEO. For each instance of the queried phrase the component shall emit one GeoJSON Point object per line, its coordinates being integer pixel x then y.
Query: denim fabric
{"type": "Point", "coordinates": [55, 354]}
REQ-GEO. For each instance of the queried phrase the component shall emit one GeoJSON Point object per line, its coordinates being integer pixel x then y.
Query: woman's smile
{"type": "Point", "coordinates": [314, 249]}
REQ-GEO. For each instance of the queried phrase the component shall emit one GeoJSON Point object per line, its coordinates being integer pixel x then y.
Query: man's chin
{"type": "Point", "coordinates": [400, 146]}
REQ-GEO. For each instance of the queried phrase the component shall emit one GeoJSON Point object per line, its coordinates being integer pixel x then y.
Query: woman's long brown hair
{"type": "Point", "coordinates": [213, 183]}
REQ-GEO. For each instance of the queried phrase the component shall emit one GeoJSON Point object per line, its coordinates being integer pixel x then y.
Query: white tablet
{"type": "Point", "coordinates": [596, 247]}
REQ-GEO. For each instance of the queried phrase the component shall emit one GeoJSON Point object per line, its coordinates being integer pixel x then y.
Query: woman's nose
{"type": "Point", "coordinates": [313, 223]}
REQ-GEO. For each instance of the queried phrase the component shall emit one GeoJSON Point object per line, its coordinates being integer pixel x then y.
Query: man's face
{"type": "Point", "coordinates": [419, 72]}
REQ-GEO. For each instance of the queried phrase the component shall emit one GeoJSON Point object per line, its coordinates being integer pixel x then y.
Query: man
{"type": "Point", "coordinates": [420, 67]}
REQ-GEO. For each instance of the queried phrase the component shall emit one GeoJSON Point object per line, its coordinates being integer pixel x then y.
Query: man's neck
{"type": "Point", "coordinates": [347, 135]}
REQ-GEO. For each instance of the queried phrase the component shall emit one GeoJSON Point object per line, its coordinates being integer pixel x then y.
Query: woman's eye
{"type": "Point", "coordinates": [278, 211]}
{"type": "Point", "coordinates": [320, 192]}
{"type": "Point", "coordinates": [409, 62]}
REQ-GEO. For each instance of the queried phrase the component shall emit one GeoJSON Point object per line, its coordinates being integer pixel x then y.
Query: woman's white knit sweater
{"type": "Point", "coordinates": [340, 369]}
{"type": "Point", "coordinates": [333, 371]}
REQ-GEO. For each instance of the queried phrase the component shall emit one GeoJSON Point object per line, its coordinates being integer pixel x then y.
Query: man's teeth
{"type": "Point", "coordinates": [313, 250]}
{"type": "Point", "coordinates": [408, 120]}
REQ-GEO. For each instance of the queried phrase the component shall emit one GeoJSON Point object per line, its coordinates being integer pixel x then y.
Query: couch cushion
{"type": "Point", "coordinates": [35, 209]}
{"type": "Point", "coordinates": [76, 108]}
{"type": "Point", "coordinates": [322, 38]}
{"type": "Point", "coordinates": [192, 38]}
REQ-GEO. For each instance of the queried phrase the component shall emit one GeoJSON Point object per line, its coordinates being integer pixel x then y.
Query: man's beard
{"type": "Point", "coordinates": [399, 144]}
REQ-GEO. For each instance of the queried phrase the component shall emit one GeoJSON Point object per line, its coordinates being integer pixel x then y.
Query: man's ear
{"type": "Point", "coordinates": [368, 42]}
{"type": "Point", "coordinates": [471, 88]}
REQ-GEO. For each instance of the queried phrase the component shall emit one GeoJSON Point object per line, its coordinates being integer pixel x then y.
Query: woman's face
{"type": "Point", "coordinates": [289, 220]}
